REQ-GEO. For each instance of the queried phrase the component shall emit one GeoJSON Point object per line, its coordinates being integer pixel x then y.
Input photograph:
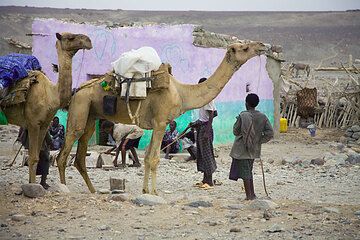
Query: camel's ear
{"type": "Point", "coordinates": [58, 36]}
{"type": "Point", "coordinates": [231, 48]}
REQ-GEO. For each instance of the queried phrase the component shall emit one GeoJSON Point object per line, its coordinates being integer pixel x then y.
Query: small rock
{"type": "Point", "coordinates": [317, 161]}
{"type": "Point", "coordinates": [353, 159]}
{"type": "Point", "coordinates": [348, 133]}
{"type": "Point", "coordinates": [149, 200]}
{"type": "Point", "coordinates": [236, 206]}
{"type": "Point", "coordinates": [212, 224]}
{"type": "Point", "coordinates": [33, 190]}
{"type": "Point", "coordinates": [357, 213]}
{"type": "Point", "coordinates": [267, 214]}
{"type": "Point", "coordinates": [18, 217]}
{"type": "Point", "coordinates": [275, 228]}
{"type": "Point", "coordinates": [343, 140]}
{"type": "Point", "coordinates": [104, 191]}
{"type": "Point", "coordinates": [119, 197]}
{"type": "Point", "coordinates": [104, 228]}
{"type": "Point", "coordinates": [200, 203]}
{"type": "Point", "coordinates": [356, 135]}
{"type": "Point", "coordinates": [331, 210]}
{"type": "Point", "coordinates": [291, 160]}
{"type": "Point", "coordinates": [280, 183]}
{"type": "Point", "coordinates": [3, 225]}
{"type": "Point", "coordinates": [355, 128]}
{"type": "Point", "coordinates": [76, 237]}
{"type": "Point", "coordinates": [234, 229]}
{"type": "Point", "coordinates": [263, 204]}
{"type": "Point", "coordinates": [59, 188]}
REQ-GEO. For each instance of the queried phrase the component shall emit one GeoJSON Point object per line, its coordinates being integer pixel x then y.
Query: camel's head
{"type": "Point", "coordinates": [239, 53]}
{"type": "Point", "coordinates": [73, 42]}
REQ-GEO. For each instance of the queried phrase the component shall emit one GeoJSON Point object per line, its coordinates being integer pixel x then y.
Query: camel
{"type": "Point", "coordinates": [44, 98]}
{"type": "Point", "coordinates": [158, 109]}
{"type": "Point", "coordinates": [300, 66]}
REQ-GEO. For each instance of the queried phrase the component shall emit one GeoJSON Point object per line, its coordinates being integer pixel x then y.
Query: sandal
{"type": "Point", "coordinates": [217, 182]}
{"type": "Point", "coordinates": [206, 186]}
{"type": "Point", "coordinates": [198, 184]}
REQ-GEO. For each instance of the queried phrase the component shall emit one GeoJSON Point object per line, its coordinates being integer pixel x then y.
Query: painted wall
{"type": "Point", "coordinates": [174, 45]}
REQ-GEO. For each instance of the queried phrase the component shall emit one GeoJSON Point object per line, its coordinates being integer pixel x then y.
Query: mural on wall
{"type": "Point", "coordinates": [174, 45]}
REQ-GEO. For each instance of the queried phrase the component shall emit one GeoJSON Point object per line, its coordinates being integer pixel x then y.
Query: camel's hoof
{"type": "Point", "coordinates": [154, 192]}
{"type": "Point", "coordinates": [144, 191]}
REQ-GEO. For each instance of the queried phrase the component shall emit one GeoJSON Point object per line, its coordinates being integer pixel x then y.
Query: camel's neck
{"type": "Point", "coordinates": [64, 83]}
{"type": "Point", "coordinates": [196, 96]}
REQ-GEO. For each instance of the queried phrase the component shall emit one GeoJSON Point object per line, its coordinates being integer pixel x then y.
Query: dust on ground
{"type": "Point", "coordinates": [313, 202]}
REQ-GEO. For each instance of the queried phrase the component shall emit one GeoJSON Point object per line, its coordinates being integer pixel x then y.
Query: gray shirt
{"type": "Point", "coordinates": [263, 134]}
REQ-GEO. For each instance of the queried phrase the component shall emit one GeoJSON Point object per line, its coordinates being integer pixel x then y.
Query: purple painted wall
{"type": "Point", "coordinates": [172, 42]}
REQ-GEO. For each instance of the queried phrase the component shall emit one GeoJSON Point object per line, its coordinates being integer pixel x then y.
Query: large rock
{"type": "Point", "coordinates": [348, 133]}
{"type": "Point", "coordinates": [332, 159]}
{"type": "Point", "coordinates": [263, 204]}
{"type": "Point", "coordinates": [353, 159]}
{"type": "Point", "coordinates": [317, 161]}
{"type": "Point", "coordinates": [119, 197]}
{"type": "Point", "coordinates": [355, 128]}
{"type": "Point", "coordinates": [33, 190]}
{"type": "Point", "coordinates": [149, 200]}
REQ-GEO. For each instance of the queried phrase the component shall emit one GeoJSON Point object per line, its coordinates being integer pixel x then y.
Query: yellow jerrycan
{"type": "Point", "coordinates": [283, 125]}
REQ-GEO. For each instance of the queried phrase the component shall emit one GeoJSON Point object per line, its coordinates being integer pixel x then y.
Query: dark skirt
{"type": "Point", "coordinates": [174, 148]}
{"type": "Point", "coordinates": [44, 163]}
{"type": "Point", "coordinates": [205, 151]}
{"type": "Point", "coordinates": [132, 143]}
{"type": "Point", "coordinates": [241, 168]}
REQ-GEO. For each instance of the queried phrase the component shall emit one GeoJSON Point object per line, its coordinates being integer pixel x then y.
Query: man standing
{"type": "Point", "coordinates": [205, 151]}
{"type": "Point", "coordinates": [251, 129]}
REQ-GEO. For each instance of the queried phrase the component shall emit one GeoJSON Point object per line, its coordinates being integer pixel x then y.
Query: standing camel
{"type": "Point", "coordinates": [44, 98]}
{"type": "Point", "coordinates": [158, 109]}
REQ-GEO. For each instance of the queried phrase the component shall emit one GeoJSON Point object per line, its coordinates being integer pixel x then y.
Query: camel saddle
{"type": "Point", "coordinates": [161, 77]}
{"type": "Point", "coordinates": [17, 93]}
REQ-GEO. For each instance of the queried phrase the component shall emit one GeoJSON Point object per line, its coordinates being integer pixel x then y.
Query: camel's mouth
{"type": "Point", "coordinates": [88, 46]}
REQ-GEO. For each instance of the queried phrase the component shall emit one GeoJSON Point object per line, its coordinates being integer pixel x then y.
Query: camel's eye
{"type": "Point", "coordinates": [71, 38]}
{"type": "Point", "coordinates": [246, 49]}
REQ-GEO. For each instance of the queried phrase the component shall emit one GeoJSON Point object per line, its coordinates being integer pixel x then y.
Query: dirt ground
{"type": "Point", "coordinates": [313, 202]}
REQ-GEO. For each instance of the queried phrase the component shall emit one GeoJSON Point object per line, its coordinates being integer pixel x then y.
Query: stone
{"type": "Point", "coordinates": [334, 159]}
{"type": "Point", "coordinates": [331, 210]}
{"type": "Point", "coordinates": [33, 190]}
{"type": "Point", "coordinates": [356, 135]}
{"type": "Point", "coordinates": [200, 203]}
{"type": "Point", "coordinates": [291, 160]}
{"type": "Point", "coordinates": [353, 159]}
{"type": "Point", "coordinates": [267, 214]}
{"type": "Point", "coordinates": [104, 228]}
{"type": "Point", "coordinates": [18, 217]}
{"type": "Point", "coordinates": [317, 161]}
{"type": "Point", "coordinates": [343, 140]}
{"type": "Point", "coordinates": [149, 200]}
{"type": "Point", "coordinates": [104, 159]}
{"type": "Point", "coordinates": [117, 184]}
{"type": "Point", "coordinates": [59, 188]}
{"type": "Point", "coordinates": [119, 197]}
{"type": "Point", "coordinates": [235, 229]}
{"type": "Point", "coordinates": [275, 228]}
{"type": "Point", "coordinates": [263, 204]}
{"type": "Point", "coordinates": [348, 133]}
{"type": "Point", "coordinates": [235, 206]}
{"type": "Point", "coordinates": [355, 128]}
{"type": "Point", "coordinates": [103, 191]}
{"type": "Point", "coordinates": [357, 213]}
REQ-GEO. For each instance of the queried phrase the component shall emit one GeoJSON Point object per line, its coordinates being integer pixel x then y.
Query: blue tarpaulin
{"type": "Point", "coordinates": [15, 66]}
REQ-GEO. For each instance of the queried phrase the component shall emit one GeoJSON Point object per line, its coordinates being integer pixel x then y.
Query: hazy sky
{"type": "Point", "coordinates": [204, 5]}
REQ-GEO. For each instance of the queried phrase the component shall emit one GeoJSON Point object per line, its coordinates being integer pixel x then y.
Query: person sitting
{"type": "Point", "coordinates": [57, 134]}
{"type": "Point", "coordinates": [188, 142]}
{"type": "Point", "coordinates": [170, 143]}
{"type": "Point", "coordinates": [44, 155]}
{"type": "Point", "coordinates": [127, 137]}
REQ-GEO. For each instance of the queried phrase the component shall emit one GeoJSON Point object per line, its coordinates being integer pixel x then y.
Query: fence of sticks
{"type": "Point", "coordinates": [339, 109]}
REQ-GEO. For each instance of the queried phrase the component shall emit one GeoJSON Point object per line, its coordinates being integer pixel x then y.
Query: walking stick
{"type": "Point", "coordinates": [176, 139]}
{"type": "Point", "coordinates": [263, 175]}
{"type": "Point", "coordinates": [15, 156]}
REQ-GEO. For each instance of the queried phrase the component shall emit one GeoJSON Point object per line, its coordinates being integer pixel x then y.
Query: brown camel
{"type": "Point", "coordinates": [44, 98]}
{"type": "Point", "coordinates": [158, 109]}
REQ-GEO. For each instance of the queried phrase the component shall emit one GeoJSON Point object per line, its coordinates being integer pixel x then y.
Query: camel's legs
{"type": "Point", "coordinates": [152, 159]}
{"type": "Point", "coordinates": [34, 149]}
{"type": "Point", "coordinates": [75, 128]}
{"type": "Point", "coordinates": [80, 162]}
{"type": "Point", "coordinates": [64, 153]}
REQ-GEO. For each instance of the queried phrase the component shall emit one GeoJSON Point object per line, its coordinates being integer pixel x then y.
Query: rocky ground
{"type": "Point", "coordinates": [308, 201]}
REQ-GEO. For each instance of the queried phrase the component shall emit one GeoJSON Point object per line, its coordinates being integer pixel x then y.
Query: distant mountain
{"type": "Point", "coordinates": [305, 36]}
